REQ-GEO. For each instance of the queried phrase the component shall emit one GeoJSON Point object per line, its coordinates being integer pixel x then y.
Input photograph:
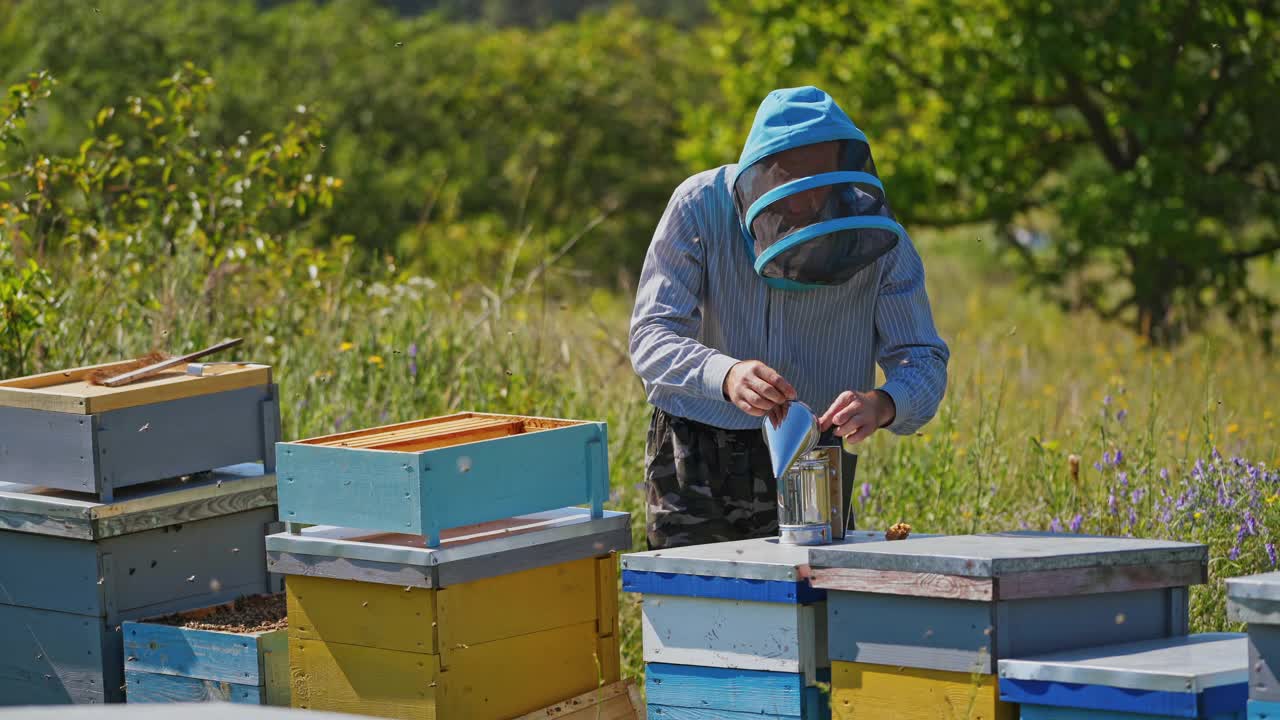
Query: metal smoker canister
{"type": "Point", "coordinates": [804, 501]}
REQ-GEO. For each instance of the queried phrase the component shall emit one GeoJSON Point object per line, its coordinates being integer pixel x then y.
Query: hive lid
{"type": "Point", "coordinates": [465, 554]}
{"type": "Point", "coordinates": [997, 554]}
{"type": "Point", "coordinates": [1254, 599]}
{"type": "Point", "coordinates": [69, 391]}
{"type": "Point", "coordinates": [1186, 664]}
{"type": "Point", "coordinates": [757, 559]}
{"type": "Point", "coordinates": [66, 513]}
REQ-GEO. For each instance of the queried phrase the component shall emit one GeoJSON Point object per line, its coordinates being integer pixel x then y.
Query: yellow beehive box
{"type": "Point", "coordinates": [863, 690]}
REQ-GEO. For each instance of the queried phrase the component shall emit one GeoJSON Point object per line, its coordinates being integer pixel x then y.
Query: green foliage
{"type": "Point", "coordinates": [27, 303]}
{"type": "Point", "coordinates": [1138, 134]}
{"type": "Point", "coordinates": [453, 139]}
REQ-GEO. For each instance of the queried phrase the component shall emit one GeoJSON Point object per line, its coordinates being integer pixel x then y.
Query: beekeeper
{"type": "Point", "coordinates": [784, 277]}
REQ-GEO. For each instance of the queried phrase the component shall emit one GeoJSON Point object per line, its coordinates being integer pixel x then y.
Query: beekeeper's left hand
{"type": "Point", "coordinates": [856, 415]}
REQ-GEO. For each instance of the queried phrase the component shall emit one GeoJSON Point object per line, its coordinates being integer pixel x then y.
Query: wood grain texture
{"type": "Point", "coordinates": [751, 691]}
{"type": "Point", "coordinates": [339, 568]}
{"type": "Point", "coordinates": [259, 495]}
{"type": "Point", "coordinates": [895, 582]}
{"type": "Point", "coordinates": [668, 712]}
{"type": "Point", "coordinates": [730, 634]}
{"type": "Point", "coordinates": [50, 573]}
{"type": "Point", "coordinates": [144, 687]}
{"type": "Point", "coordinates": [51, 449]}
{"type": "Point", "coordinates": [52, 657]}
{"type": "Point", "coordinates": [275, 667]}
{"type": "Point", "coordinates": [609, 658]}
{"type": "Point", "coordinates": [607, 594]}
{"type": "Point", "coordinates": [861, 690]}
{"type": "Point", "coordinates": [950, 635]}
{"type": "Point", "coordinates": [199, 563]}
{"type": "Point", "coordinates": [517, 604]}
{"type": "Point", "coordinates": [192, 653]}
{"type": "Point", "coordinates": [367, 614]}
{"type": "Point", "coordinates": [68, 392]}
{"type": "Point", "coordinates": [518, 675]}
{"type": "Point", "coordinates": [1103, 579]}
{"type": "Point", "coordinates": [616, 701]}
{"type": "Point", "coordinates": [362, 680]}
{"type": "Point", "coordinates": [425, 492]}
{"type": "Point", "coordinates": [177, 437]}
{"type": "Point", "coordinates": [41, 524]}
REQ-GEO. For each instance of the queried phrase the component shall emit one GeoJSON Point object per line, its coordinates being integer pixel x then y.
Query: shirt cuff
{"type": "Point", "coordinates": [900, 394]}
{"type": "Point", "coordinates": [713, 373]}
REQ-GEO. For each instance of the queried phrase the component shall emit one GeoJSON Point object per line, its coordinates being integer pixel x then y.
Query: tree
{"type": "Point", "coordinates": [1140, 132]}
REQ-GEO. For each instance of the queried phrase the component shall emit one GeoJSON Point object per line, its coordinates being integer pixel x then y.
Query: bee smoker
{"type": "Point", "coordinates": [815, 479]}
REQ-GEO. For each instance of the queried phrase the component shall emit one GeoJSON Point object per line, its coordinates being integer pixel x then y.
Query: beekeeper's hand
{"type": "Point", "coordinates": [856, 415]}
{"type": "Point", "coordinates": [758, 390]}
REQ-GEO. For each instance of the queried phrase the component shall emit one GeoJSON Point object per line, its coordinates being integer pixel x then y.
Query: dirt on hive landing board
{"type": "Point", "coordinates": [259, 613]}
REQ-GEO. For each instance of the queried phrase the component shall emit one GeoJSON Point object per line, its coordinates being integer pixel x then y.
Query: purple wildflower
{"type": "Point", "coordinates": [1164, 473]}
{"type": "Point", "coordinates": [1235, 553]}
{"type": "Point", "coordinates": [1120, 416]}
{"type": "Point", "coordinates": [1111, 503]}
{"type": "Point", "coordinates": [1133, 517]}
{"type": "Point", "coordinates": [1271, 553]}
{"type": "Point", "coordinates": [413, 350]}
{"type": "Point", "coordinates": [1055, 526]}
{"type": "Point", "coordinates": [1137, 495]}
{"type": "Point", "coordinates": [1106, 458]}
{"type": "Point", "coordinates": [1250, 523]}
{"type": "Point", "coordinates": [1106, 400]}
{"type": "Point", "coordinates": [413, 368]}
{"type": "Point", "coordinates": [1119, 456]}
{"type": "Point", "coordinates": [1124, 479]}
{"type": "Point", "coordinates": [865, 494]}
{"type": "Point", "coordinates": [1076, 522]}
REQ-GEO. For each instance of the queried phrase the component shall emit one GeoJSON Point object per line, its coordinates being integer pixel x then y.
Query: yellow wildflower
{"type": "Point", "coordinates": [1233, 428]}
{"type": "Point", "coordinates": [375, 360]}
{"type": "Point", "coordinates": [1272, 500]}
{"type": "Point", "coordinates": [345, 346]}
{"type": "Point", "coordinates": [1197, 515]}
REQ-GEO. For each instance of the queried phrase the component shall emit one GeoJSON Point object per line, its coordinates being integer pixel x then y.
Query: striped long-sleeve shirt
{"type": "Point", "coordinates": [700, 308]}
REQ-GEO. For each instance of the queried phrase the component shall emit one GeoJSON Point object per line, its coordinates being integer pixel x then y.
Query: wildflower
{"type": "Point", "coordinates": [1120, 416]}
{"type": "Point", "coordinates": [345, 346]}
{"type": "Point", "coordinates": [1124, 479]}
{"type": "Point", "coordinates": [1164, 473]}
{"type": "Point", "coordinates": [1106, 400]}
{"type": "Point", "coordinates": [865, 493]}
{"type": "Point", "coordinates": [375, 360]}
{"type": "Point", "coordinates": [1271, 553]}
{"type": "Point", "coordinates": [1055, 526]}
{"type": "Point", "coordinates": [413, 368]}
{"type": "Point", "coordinates": [1076, 522]}
{"type": "Point", "coordinates": [1111, 503]}
{"type": "Point", "coordinates": [1235, 553]}
{"type": "Point", "coordinates": [1137, 495]}
{"type": "Point", "coordinates": [1250, 523]}
{"type": "Point", "coordinates": [1133, 517]}
{"type": "Point", "coordinates": [1197, 515]}
{"type": "Point", "coordinates": [1271, 499]}
{"type": "Point", "coordinates": [413, 350]}
{"type": "Point", "coordinates": [1119, 456]}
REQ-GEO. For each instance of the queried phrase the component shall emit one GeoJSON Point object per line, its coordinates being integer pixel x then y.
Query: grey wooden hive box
{"type": "Point", "coordinates": [58, 430]}
{"type": "Point", "coordinates": [73, 568]}
{"type": "Point", "coordinates": [962, 603]}
{"type": "Point", "coordinates": [1256, 600]}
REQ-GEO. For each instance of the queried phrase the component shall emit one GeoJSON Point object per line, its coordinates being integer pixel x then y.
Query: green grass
{"type": "Point", "coordinates": [1030, 386]}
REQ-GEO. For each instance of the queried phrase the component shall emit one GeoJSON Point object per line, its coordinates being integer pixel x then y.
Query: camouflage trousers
{"type": "Point", "coordinates": [704, 484]}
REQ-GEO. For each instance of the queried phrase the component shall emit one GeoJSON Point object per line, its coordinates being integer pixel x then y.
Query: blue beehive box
{"type": "Point", "coordinates": [425, 476]}
{"type": "Point", "coordinates": [733, 629]}
{"type": "Point", "coordinates": [1195, 676]}
{"type": "Point", "coordinates": [1256, 601]}
{"type": "Point", "coordinates": [74, 568]}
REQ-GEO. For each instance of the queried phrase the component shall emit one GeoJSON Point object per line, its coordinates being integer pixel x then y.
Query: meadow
{"type": "Point", "coordinates": [1053, 420]}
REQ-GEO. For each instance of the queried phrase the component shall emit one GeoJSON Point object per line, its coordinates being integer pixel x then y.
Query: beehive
{"type": "Point", "coordinates": [733, 628]}
{"type": "Point", "coordinates": [59, 431]}
{"type": "Point", "coordinates": [501, 619]}
{"type": "Point", "coordinates": [1195, 676]}
{"type": "Point", "coordinates": [220, 661]}
{"type": "Point", "coordinates": [74, 568]}
{"type": "Point", "coordinates": [425, 476]}
{"type": "Point", "coordinates": [1256, 601]}
{"type": "Point", "coordinates": [929, 619]}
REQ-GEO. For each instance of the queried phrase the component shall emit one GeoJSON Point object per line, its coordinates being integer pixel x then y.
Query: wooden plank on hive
{"type": "Point", "coordinates": [193, 653]}
{"type": "Point", "coordinates": [1100, 579]}
{"type": "Point", "coordinates": [460, 437]}
{"type": "Point", "coordinates": [754, 691]}
{"type": "Point", "coordinates": [51, 573]}
{"type": "Point", "coordinates": [145, 687]}
{"type": "Point", "coordinates": [861, 690]}
{"type": "Point", "coordinates": [351, 434]}
{"type": "Point", "coordinates": [952, 635]}
{"type": "Point", "coordinates": [358, 613]}
{"type": "Point", "coordinates": [68, 391]}
{"type": "Point", "coordinates": [615, 701]}
{"type": "Point", "coordinates": [364, 680]}
{"type": "Point", "coordinates": [893, 582]}
{"type": "Point", "coordinates": [730, 633]}
{"type": "Point", "coordinates": [367, 438]}
{"type": "Point", "coordinates": [607, 589]}
{"type": "Point", "coordinates": [520, 674]}
{"type": "Point", "coordinates": [520, 603]}
{"type": "Point", "coordinates": [56, 657]}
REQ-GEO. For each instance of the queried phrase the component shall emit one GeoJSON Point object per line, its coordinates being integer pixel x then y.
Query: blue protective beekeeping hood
{"type": "Point", "coordinates": [812, 209]}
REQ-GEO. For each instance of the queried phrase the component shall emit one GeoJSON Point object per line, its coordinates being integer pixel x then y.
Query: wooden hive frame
{"type": "Point", "coordinates": [69, 391]}
{"type": "Point", "coordinates": [424, 476]}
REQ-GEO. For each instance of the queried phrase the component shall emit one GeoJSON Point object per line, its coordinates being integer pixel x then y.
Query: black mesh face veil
{"type": "Point", "coordinates": [815, 214]}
